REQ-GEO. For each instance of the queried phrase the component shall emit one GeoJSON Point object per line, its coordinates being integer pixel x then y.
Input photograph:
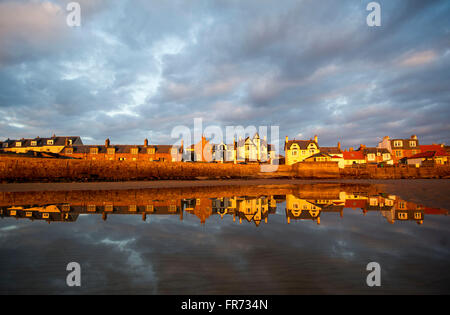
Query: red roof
{"type": "Point", "coordinates": [353, 155]}
{"type": "Point", "coordinates": [434, 147]}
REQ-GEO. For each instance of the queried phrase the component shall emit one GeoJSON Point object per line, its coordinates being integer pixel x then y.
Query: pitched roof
{"type": "Point", "coordinates": [331, 150]}
{"type": "Point", "coordinates": [353, 155]}
{"type": "Point", "coordinates": [368, 150]}
{"type": "Point", "coordinates": [433, 147]}
{"type": "Point", "coordinates": [303, 144]}
{"type": "Point", "coordinates": [406, 144]}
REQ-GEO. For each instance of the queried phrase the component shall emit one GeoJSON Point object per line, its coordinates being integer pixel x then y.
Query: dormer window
{"type": "Point", "coordinates": [70, 141]}
{"type": "Point", "coordinates": [49, 142]}
{"type": "Point", "coordinates": [398, 143]}
{"type": "Point", "coordinates": [18, 144]}
{"type": "Point", "coordinates": [412, 143]}
{"type": "Point", "coordinates": [34, 143]}
{"type": "Point", "coordinates": [93, 151]}
{"type": "Point", "coordinates": [134, 150]}
{"type": "Point", "coordinates": [111, 150]}
{"type": "Point", "coordinates": [151, 151]}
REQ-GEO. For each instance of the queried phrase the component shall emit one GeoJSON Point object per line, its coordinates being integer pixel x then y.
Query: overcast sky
{"type": "Point", "coordinates": [136, 69]}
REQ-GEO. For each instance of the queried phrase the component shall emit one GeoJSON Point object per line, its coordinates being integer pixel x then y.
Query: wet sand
{"type": "Point", "coordinates": [431, 192]}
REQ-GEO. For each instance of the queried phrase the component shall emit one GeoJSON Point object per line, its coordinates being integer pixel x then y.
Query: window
{"type": "Point", "coordinates": [172, 208]}
{"type": "Point", "coordinates": [93, 150]}
{"type": "Point", "coordinates": [109, 208]}
{"type": "Point", "coordinates": [132, 208]}
{"type": "Point", "coordinates": [398, 153]}
{"type": "Point", "coordinates": [34, 143]}
{"type": "Point", "coordinates": [49, 142]}
{"type": "Point", "coordinates": [91, 208]}
{"type": "Point", "coordinates": [398, 143]}
{"type": "Point", "coordinates": [70, 142]}
{"type": "Point", "coordinates": [386, 156]}
{"type": "Point", "coordinates": [151, 151]}
{"type": "Point", "coordinates": [45, 216]}
{"type": "Point", "coordinates": [134, 150]}
{"type": "Point", "coordinates": [111, 150]}
{"type": "Point", "coordinates": [412, 143]}
{"type": "Point", "coordinates": [294, 152]}
{"type": "Point", "coordinates": [149, 208]}
{"type": "Point", "coordinates": [173, 151]}
{"type": "Point", "coordinates": [371, 156]}
{"type": "Point", "coordinates": [69, 151]}
{"type": "Point", "coordinates": [417, 215]}
{"type": "Point", "coordinates": [18, 144]}
{"type": "Point", "coordinates": [403, 216]}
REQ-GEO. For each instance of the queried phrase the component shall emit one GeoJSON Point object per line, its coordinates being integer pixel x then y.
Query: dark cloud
{"type": "Point", "coordinates": [136, 69]}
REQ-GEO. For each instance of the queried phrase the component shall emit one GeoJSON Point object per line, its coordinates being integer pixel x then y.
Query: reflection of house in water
{"type": "Point", "coordinates": [311, 209]}
{"type": "Point", "coordinates": [255, 209]}
{"type": "Point", "coordinates": [50, 213]}
{"type": "Point", "coordinates": [307, 204]}
{"type": "Point", "coordinates": [251, 209]}
{"type": "Point", "coordinates": [200, 207]}
{"type": "Point", "coordinates": [402, 210]}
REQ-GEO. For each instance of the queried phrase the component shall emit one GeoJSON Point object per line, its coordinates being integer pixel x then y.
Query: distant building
{"type": "Point", "coordinates": [353, 157]}
{"type": "Point", "coordinates": [376, 155]}
{"type": "Point", "coordinates": [109, 152]}
{"type": "Point", "coordinates": [400, 148]}
{"type": "Point", "coordinates": [55, 144]}
{"type": "Point", "coordinates": [298, 150]}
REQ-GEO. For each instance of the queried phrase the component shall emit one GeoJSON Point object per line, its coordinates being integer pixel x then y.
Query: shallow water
{"type": "Point", "coordinates": [289, 239]}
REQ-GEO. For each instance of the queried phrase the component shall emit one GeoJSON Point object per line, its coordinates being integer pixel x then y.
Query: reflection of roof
{"type": "Point", "coordinates": [355, 203]}
{"type": "Point", "coordinates": [428, 154]}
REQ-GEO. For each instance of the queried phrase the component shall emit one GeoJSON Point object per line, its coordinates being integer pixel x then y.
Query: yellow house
{"type": "Point", "coordinates": [54, 144]}
{"type": "Point", "coordinates": [298, 150]}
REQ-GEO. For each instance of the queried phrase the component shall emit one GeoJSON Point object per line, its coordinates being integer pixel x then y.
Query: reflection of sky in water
{"type": "Point", "coordinates": [166, 255]}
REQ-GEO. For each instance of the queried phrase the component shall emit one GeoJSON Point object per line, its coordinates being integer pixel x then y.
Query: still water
{"type": "Point", "coordinates": [285, 239]}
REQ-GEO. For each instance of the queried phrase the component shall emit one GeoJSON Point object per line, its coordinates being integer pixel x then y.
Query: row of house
{"type": "Point", "coordinates": [251, 149]}
{"type": "Point", "coordinates": [388, 151]}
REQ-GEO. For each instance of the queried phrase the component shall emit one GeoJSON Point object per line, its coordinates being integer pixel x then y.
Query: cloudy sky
{"type": "Point", "coordinates": [137, 69]}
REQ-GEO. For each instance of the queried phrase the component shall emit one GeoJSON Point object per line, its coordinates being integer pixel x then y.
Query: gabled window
{"type": "Point", "coordinates": [412, 143]}
{"type": "Point", "coordinates": [398, 143]}
{"type": "Point", "coordinates": [50, 142]}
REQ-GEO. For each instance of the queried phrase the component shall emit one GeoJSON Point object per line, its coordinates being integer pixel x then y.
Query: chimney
{"type": "Point", "coordinates": [146, 142]}
{"type": "Point", "coordinates": [316, 139]}
{"type": "Point", "coordinates": [414, 137]}
{"type": "Point", "coordinates": [350, 149]}
{"type": "Point", "coordinates": [107, 142]}
{"type": "Point", "coordinates": [286, 139]}
{"type": "Point", "coordinates": [182, 144]}
{"type": "Point", "coordinates": [66, 142]}
{"type": "Point", "coordinates": [362, 146]}
{"type": "Point", "coordinates": [339, 145]}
